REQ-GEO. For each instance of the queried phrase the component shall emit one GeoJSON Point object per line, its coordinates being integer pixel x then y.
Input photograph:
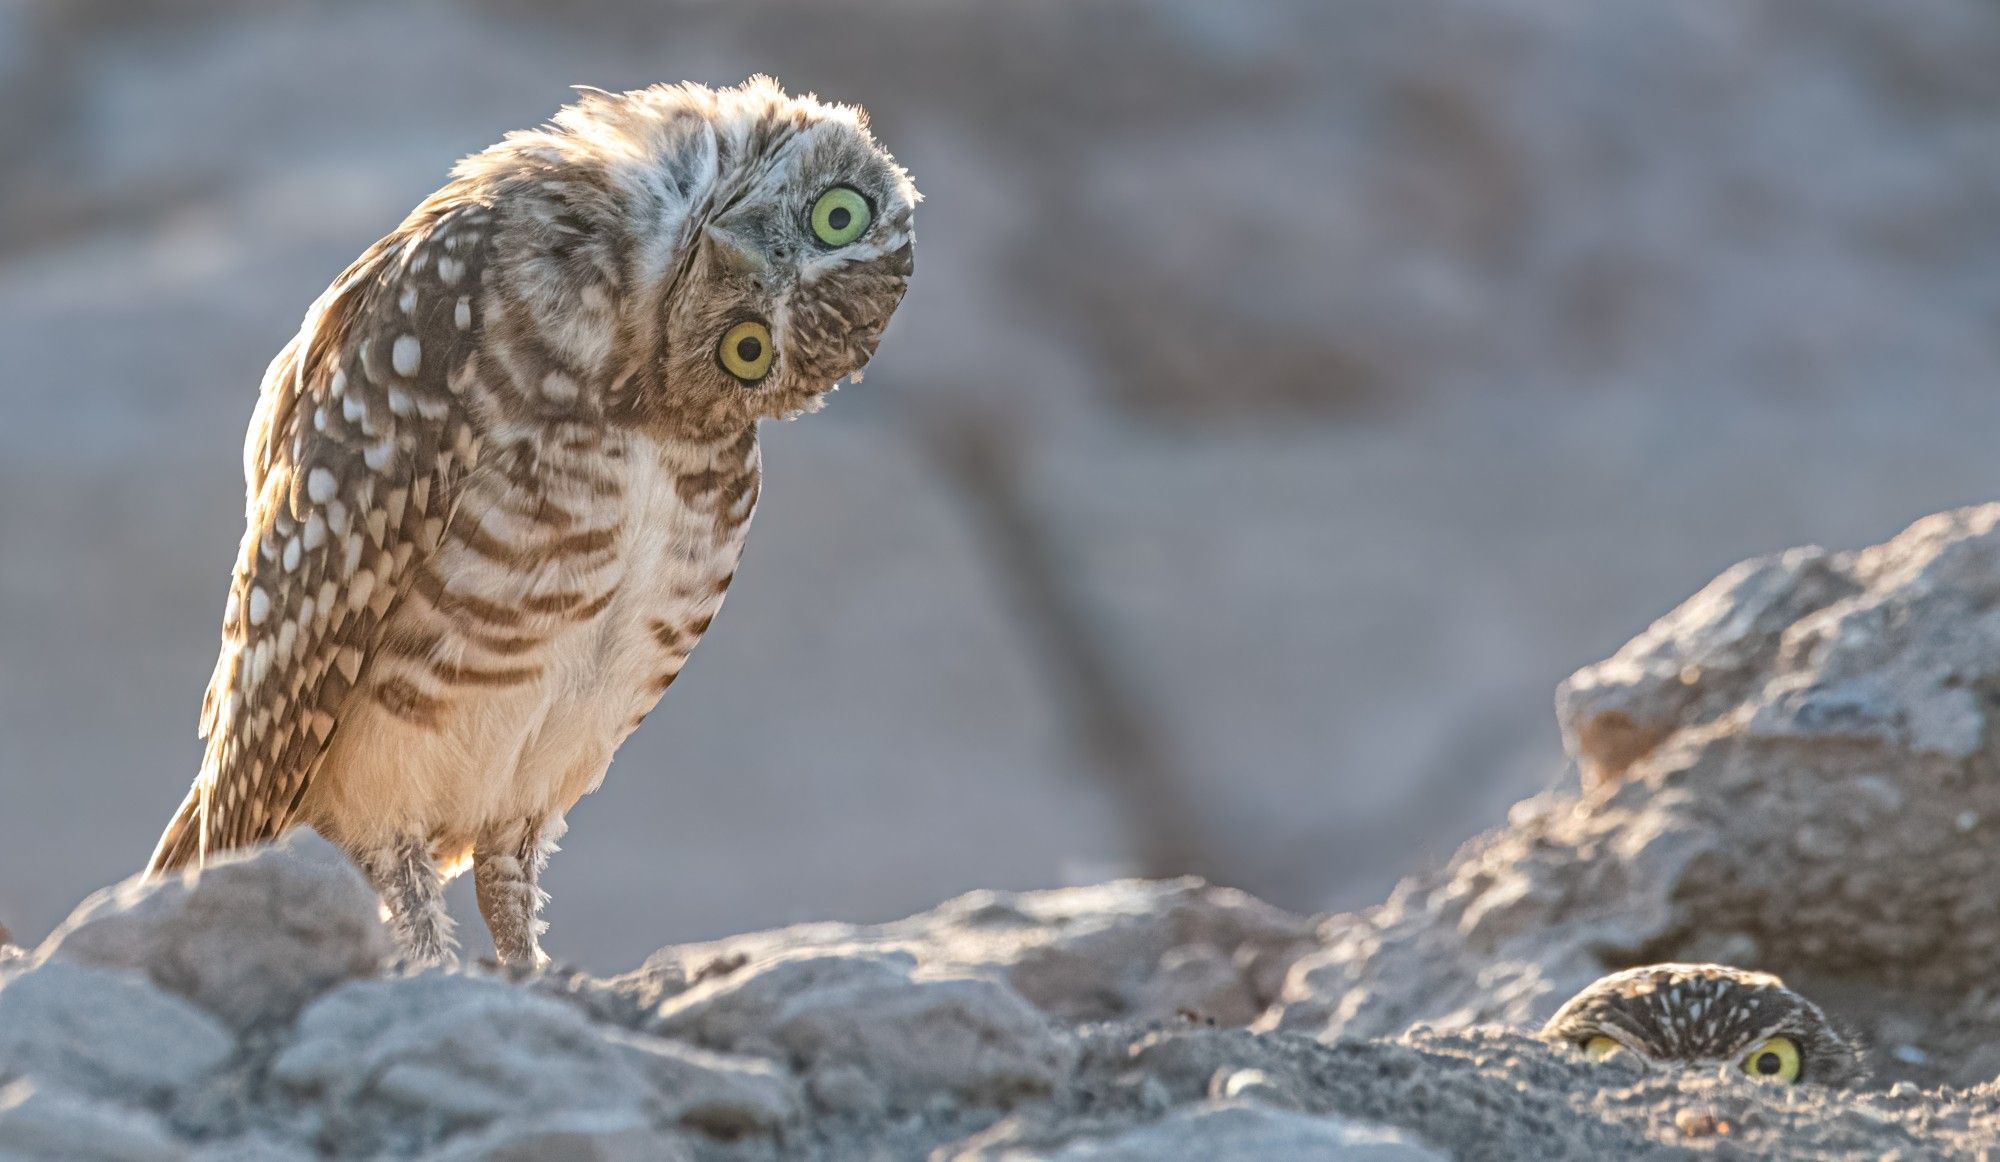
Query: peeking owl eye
{"type": "Point", "coordinates": [840, 216]}
{"type": "Point", "coordinates": [1600, 1047]}
{"type": "Point", "coordinates": [1774, 1060]}
{"type": "Point", "coordinates": [745, 350]}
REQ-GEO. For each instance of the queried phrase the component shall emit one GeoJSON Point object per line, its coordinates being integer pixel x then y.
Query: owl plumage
{"type": "Point", "coordinates": [499, 481]}
{"type": "Point", "coordinates": [1685, 1016]}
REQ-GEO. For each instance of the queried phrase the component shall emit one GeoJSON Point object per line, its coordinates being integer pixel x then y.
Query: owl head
{"type": "Point", "coordinates": [1708, 1016]}
{"type": "Point", "coordinates": [714, 255]}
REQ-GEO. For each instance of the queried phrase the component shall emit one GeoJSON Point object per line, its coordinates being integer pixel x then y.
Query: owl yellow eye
{"type": "Point", "coordinates": [1600, 1047]}
{"type": "Point", "coordinates": [840, 216]}
{"type": "Point", "coordinates": [745, 351]}
{"type": "Point", "coordinates": [1774, 1060]}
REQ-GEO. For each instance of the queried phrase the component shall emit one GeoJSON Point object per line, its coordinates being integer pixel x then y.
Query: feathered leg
{"type": "Point", "coordinates": [407, 879]}
{"type": "Point", "coordinates": [507, 866]}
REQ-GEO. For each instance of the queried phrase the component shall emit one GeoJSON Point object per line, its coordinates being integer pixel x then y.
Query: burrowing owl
{"type": "Point", "coordinates": [1695, 1015]}
{"type": "Point", "coordinates": [499, 481]}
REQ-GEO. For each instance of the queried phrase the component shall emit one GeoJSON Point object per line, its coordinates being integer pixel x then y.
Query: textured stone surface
{"type": "Point", "coordinates": [1247, 1133]}
{"type": "Point", "coordinates": [869, 1036]}
{"type": "Point", "coordinates": [461, 1055]}
{"type": "Point", "coordinates": [93, 1031]}
{"type": "Point", "coordinates": [40, 1123]}
{"type": "Point", "coordinates": [621, 1136]}
{"type": "Point", "coordinates": [251, 938]}
{"type": "Point", "coordinates": [1131, 949]}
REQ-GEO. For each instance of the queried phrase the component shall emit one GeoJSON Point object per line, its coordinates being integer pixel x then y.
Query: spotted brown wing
{"type": "Point", "coordinates": [354, 453]}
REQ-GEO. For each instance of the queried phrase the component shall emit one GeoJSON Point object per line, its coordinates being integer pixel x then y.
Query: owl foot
{"type": "Point", "coordinates": [506, 871]}
{"type": "Point", "coordinates": [413, 904]}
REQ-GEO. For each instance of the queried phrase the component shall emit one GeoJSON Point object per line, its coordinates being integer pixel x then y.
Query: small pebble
{"type": "Point", "coordinates": [1251, 1085]}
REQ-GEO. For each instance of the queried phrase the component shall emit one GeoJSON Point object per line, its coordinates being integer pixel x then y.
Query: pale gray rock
{"type": "Point", "coordinates": [1139, 949]}
{"type": "Point", "coordinates": [457, 1055]}
{"type": "Point", "coordinates": [592, 1136]}
{"type": "Point", "coordinates": [38, 1124]}
{"type": "Point", "coordinates": [254, 1148]}
{"type": "Point", "coordinates": [1234, 1132]}
{"type": "Point", "coordinates": [252, 937]}
{"type": "Point", "coordinates": [869, 1032]}
{"type": "Point", "coordinates": [91, 1031]}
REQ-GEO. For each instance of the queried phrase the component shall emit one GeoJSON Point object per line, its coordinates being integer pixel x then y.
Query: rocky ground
{"type": "Point", "coordinates": [1795, 770]}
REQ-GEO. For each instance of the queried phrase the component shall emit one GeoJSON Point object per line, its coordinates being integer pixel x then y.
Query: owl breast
{"type": "Point", "coordinates": [576, 575]}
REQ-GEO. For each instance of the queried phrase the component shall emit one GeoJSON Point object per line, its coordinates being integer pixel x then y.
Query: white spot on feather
{"type": "Point", "coordinates": [260, 662]}
{"type": "Point", "coordinates": [406, 354]}
{"type": "Point", "coordinates": [260, 606]}
{"type": "Point", "coordinates": [558, 387]}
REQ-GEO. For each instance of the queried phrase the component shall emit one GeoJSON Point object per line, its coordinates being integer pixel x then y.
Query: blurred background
{"type": "Point", "coordinates": [1289, 396]}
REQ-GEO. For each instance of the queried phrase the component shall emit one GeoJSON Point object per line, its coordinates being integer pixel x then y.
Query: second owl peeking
{"type": "Point", "coordinates": [499, 482]}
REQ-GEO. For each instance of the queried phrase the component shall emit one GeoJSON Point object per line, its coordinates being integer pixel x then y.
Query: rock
{"type": "Point", "coordinates": [252, 937]}
{"type": "Point", "coordinates": [461, 1055]}
{"type": "Point", "coordinates": [254, 1148]}
{"type": "Point", "coordinates": [1148, 950]}
{"type": "Point", "coordinates": [585, 1137]}
{"type": "Point", "coordinates": [88, 1031]}
{"type": "Point", "coordinates": [38, 1123]}
{"type": "Point", "coordinates": [1235, 1132]}
{"type": "Point", "coordinates": [1792, 770]}
{"type": "Point", "coordinates": [866, 1030]}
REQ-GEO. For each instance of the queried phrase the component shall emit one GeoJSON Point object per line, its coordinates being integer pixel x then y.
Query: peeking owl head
{"type": "Point", "coordinates": [1708, 1016]}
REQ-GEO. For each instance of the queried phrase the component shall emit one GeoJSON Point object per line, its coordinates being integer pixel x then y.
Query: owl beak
{"type": "Point", "coordinates": [730, 253]}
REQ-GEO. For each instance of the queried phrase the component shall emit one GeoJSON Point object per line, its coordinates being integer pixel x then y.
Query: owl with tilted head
{"type": "Point", "coordinates": [499, 481]}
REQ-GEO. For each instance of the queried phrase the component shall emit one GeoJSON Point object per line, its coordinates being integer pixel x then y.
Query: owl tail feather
{"type": "Point", "coordinates": [180, 844]}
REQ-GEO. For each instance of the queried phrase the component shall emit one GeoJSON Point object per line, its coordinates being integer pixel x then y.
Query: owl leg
{"type": "Point", "coordinates": [507, 866]}
{"type": "Point", "coordinates": [407, 879]}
